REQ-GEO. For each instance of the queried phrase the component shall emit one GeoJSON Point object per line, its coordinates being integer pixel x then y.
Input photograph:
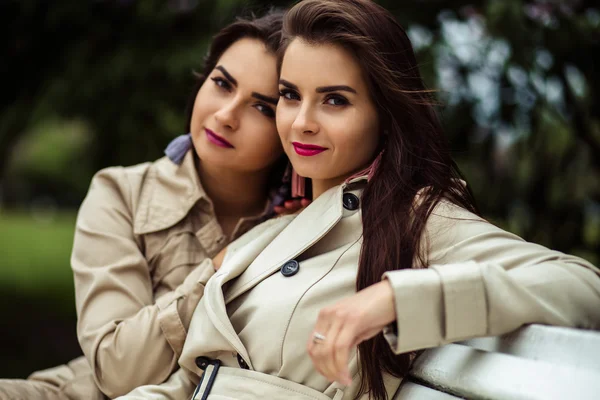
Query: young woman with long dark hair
{"type": "Point", "coordinates": [146, 234]}
{"type": "Point", "coordinates": [391, 257]}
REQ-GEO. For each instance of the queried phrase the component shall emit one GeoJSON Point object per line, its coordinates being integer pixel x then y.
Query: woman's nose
{"type": "Point", "coordinates": [228, 116]}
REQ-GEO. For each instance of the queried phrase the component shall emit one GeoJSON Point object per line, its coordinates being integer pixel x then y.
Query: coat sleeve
{"type": "Point", "coordinates": [178, 386]}
{"type": "Point", "coordinates": [127, 338]}
{"type": "Point", "coordinates": [483, 281]}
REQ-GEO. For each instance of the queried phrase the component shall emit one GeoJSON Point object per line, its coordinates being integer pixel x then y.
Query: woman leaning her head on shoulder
{"type": "Point", "coordinates": [389, 258]}
{"type": "Point", "coordinates": [146, 234]}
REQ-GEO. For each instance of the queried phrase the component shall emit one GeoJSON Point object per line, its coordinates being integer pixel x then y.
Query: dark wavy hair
{"type": "Point", "coordinates": [416, 154]}
{"type": "Point", "coordinates": [266, 28]}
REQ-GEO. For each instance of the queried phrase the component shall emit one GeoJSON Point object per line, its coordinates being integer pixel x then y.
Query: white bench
{"type": "Point", "coordinates": [534, 362]}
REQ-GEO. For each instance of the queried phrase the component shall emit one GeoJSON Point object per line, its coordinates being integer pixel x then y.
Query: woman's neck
{"type": "Point", "coordinates": [320, 186]}
{"type": "Point", "coordinates": [234, 194]}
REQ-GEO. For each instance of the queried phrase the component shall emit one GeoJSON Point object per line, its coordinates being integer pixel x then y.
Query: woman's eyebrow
{"type": "Point", "coordinates": [326, 89]}
{"type": "Point", "coordinates": [288, 84]}
{"type": "Point", "coordinates": [321, 89]}
{"type": "Point", "coordinates": [227, 74]}
{"type": "Point", "coordinates": [264, 98]}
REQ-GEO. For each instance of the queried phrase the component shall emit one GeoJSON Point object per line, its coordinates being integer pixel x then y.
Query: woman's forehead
{"type": "Point", "coordinates": [320, 65]}
{"type": "Point", "coordinates": [249, 62]}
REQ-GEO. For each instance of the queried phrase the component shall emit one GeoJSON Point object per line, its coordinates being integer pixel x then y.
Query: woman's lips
{"type": "Point", "coordinates": [218, 140]}
{"type": "Point", "coordinates": [308, 149]}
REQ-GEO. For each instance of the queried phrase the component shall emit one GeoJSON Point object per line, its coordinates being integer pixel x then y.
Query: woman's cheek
{"type": "Point", "coordinates": [284, 119]}
{"type": "Point", "coordinates": [265, 141]}
{"type": "Point", "coordinates": [271, 139]}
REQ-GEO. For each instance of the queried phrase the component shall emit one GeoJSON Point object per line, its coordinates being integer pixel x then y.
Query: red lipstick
{"type": "Point", "coordinates": [308, 149]}
{"type": "Point", "coordinates": [217, 140]}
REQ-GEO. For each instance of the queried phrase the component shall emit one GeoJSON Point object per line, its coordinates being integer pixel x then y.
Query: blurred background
{"type": "Point", "coordinates": [88, 84]}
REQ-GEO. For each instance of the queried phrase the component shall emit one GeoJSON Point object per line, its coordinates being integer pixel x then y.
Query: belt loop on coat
{"type": "Point", "coordinates": [210, 374]}
{"type": "Point", "coordinates": [338, 394]}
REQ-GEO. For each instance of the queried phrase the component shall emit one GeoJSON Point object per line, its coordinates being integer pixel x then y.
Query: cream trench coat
{"type": "Point", "coordinates": [481, 281]}
{"type": "Point", "coordinates": [143, 240]}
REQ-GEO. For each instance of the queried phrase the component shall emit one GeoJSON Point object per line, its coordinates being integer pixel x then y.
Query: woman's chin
{"type": "Point", "coordinates": [216, 158]}
{"type": "Point", "coordinates": [305, 172]}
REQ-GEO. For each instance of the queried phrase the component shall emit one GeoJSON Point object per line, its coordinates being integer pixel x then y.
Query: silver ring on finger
{"type": "Point", "coordinates": [318, 338]}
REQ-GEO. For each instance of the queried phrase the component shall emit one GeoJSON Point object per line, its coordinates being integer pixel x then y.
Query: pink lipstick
{"type": "Point", "coordinates": [217, 140]}
{"type": "Point", "coordinates": [308, 149]}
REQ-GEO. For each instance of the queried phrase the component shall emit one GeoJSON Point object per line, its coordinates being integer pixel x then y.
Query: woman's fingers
{"type": "Point", "coordinates": [314, 346]}
{"type": "Point", "coordinates": [288, 207]}
{"type": "Point", "coordinates": [291, 206]}
{"type": "Point", "coordinates": [348, 323]}
{"type": "Point", "coordinates": [326, 349]}
{"type": "Point", "coordinates": [279, 210]}
{"type": "Point", "coordinates": [304, 202]}
{"type": "Point", "coordinates": [343, 345]}
{"type": "Point", "coordinates": [330, 354]}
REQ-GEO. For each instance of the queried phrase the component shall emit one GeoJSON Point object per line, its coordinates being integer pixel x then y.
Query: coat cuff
{"type": "Point", "coordinates": [437, 305]}
{"type": "Point", "coordinates": [177, 307]}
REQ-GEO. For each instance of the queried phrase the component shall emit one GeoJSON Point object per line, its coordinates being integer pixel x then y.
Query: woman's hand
{"type": "Point", "coordinates": [291, 206]}
{"type": "Point", "coordinates": [218, 259]}
{"type": "Point", "coordinates": [346, 324]}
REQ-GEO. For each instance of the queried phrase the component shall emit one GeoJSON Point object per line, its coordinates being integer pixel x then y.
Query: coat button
{"type": "Point", "coordinates": [202, 362]}
{"type": "Point", "coordinates": [290, 268]}
{"type": "Point", "coordinates": [242, 362]}
{"type": "Point", "coordinates": [350, 201]}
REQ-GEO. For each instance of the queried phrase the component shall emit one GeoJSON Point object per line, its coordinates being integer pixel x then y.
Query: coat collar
{"type": "Point", "coordinates": [356, 179]}
{"type": "Point", "coordinates": [168, 194]}
{"type": "Point", "coordinates": [308, 228]}
{"type": "Point", "coordinates": [171, 190]}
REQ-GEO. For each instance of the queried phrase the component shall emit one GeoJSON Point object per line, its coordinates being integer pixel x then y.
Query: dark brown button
{"type": "Point", "coordinates": [242, 363]}
{"type": "Point", "coordinates": [350, 201]}
{"type": "Point", "coordinates": [202, 362]}
{"type": "Point", "coordinates": [290, 268]}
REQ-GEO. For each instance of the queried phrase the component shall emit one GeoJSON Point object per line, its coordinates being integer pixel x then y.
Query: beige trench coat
{"type": "Point", "coordinates": [144, 238]}
{"type": "Point", "coordinates": [481, 281]}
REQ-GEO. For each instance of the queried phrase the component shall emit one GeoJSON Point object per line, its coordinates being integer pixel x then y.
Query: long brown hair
{"type": "Point", "coordinates": [266, 28]}
{"type": "Point", "coordinates": [416, 157]}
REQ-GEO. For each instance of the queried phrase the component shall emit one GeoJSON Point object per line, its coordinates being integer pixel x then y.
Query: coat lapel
{"type": "Point", "coordinates": [241, 253]}
{"type": "Point", "coordinates": [168, 194]}
{"type": "Point", "coordinates": [306, 229]}
{"type": "Point", "coordinates": [261, 252]}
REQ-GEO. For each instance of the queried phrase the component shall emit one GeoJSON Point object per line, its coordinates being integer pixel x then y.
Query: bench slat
{"type": "Point", "coordinates": [556, 345]}
{"type": "Point", "coordinates": [414, 391]}
{"type": "Point", "coordinates": [477, 374]}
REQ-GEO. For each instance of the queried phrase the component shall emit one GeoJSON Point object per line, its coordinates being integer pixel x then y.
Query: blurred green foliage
{"type": "Point", "coordinates": [36, 291]}
{"type": "Point", "coordinates": [96, 83]}
{"type": "Point", "coordinates": [51, 164]}
{"type": "Point", "coordinates": [38, 245]}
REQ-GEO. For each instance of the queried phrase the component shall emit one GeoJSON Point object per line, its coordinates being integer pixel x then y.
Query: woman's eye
{"type": "Point", "coordinates": [222, 83]}
{"type": "Point", "coordinates": [266, 110]}
{"type": "Point", "coordinates": [289, 94]}
{"type": "Point", "coordinates": [336, 100]}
